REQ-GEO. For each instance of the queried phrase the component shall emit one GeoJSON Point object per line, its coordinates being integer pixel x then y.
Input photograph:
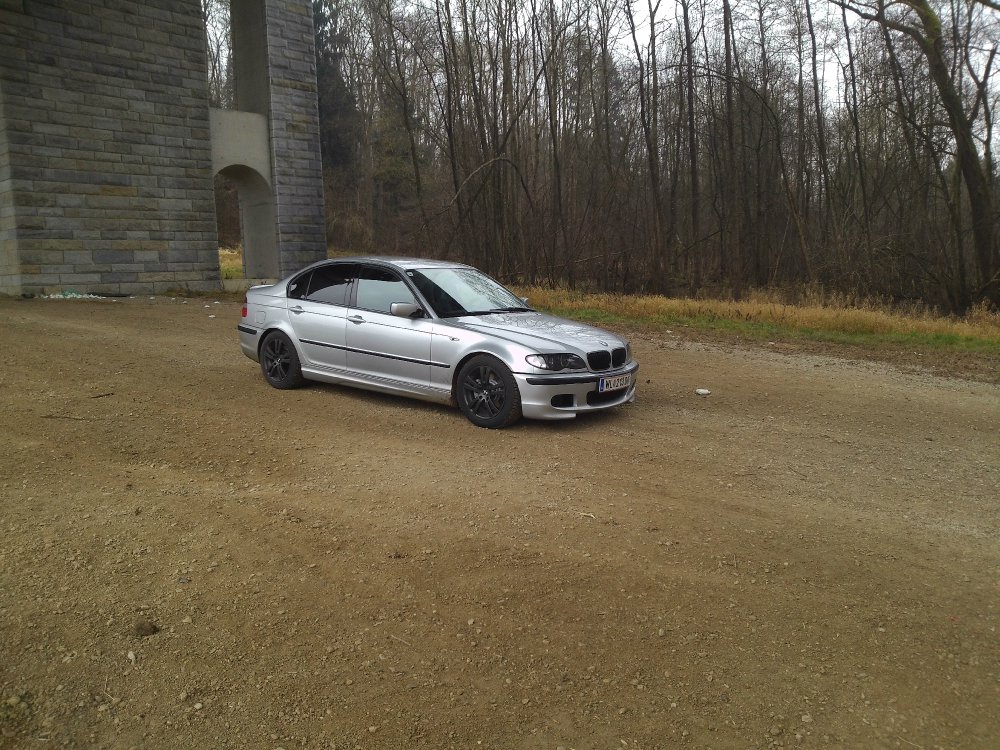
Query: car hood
{"type": "Point", "coordinates": [540, 331]}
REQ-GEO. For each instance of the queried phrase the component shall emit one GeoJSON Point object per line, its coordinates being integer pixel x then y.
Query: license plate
{"type": "Point", "coordinates": [613, 384]}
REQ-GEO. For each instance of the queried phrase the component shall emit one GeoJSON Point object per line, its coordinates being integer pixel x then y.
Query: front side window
{"type": "Point", "coordinates": [378, 289]}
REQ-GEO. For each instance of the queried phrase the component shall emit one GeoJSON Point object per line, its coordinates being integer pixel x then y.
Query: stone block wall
{"type": "Point", "coordinates": [297, 169]}
{"type": "Point", "coordinates": [105, 161]}
{"type": "Point", "coordinates": [10, 267]}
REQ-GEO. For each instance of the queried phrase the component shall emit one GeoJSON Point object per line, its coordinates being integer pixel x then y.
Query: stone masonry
{"type": "Point", "coordinates": [106, 126]}
{"type": "Point", "coordinates": [297, 169]}
{"type": "Point", "coordinates": [106, 180]}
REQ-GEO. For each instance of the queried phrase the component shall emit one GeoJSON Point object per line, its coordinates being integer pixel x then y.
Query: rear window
{"type": "Point", "coordinates": [330, 284]}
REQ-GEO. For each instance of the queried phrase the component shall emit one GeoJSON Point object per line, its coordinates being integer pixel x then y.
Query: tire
{"type": "Point", "coordinates": [280, 362]}
{"type": "Point", "coordinates": [487, 393]}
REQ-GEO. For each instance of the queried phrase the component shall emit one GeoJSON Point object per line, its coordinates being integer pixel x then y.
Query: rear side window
{"type": "Point", "coordinates": [378, 289]}
{"type": "Point", "coordinates": [297, 288]}
{"type": "Point", "coordinates": [330, 284]}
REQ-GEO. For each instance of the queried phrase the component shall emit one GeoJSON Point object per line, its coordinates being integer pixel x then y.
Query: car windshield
{"type": "Point", "coordinates": [454, 292]}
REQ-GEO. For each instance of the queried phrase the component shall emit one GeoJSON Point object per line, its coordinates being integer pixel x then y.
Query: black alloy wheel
{"type": "Point", "coordinates": [280, 362]}
{"type": "Point", "coordinates": [487, 393]}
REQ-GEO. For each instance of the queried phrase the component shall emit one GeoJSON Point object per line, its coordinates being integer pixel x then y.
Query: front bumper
{"type": "Point", "coordinates": [558, 396]}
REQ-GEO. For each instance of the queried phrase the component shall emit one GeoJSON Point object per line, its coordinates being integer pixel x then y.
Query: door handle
{"type": "Point", "coordinates": [355, 319]}
{"type": "Point", "coordinates": [297, 309]}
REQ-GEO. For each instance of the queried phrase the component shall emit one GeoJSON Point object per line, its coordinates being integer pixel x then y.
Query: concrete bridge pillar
{"type": "Point", "coordinates": [274, 65]}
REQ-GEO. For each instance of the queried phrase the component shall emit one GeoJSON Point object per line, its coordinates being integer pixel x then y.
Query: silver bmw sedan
{"type": "Point", "coordinates": [433, 330]}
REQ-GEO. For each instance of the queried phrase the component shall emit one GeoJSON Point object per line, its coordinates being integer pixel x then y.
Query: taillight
{"type": "Point", "coordinates": [244, 307]}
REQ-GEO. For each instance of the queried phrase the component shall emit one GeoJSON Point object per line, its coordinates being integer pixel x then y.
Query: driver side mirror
{"type": "Point", "coordinates": [525, 301]}
{"type": "Point", "coordinates": [406, 310]}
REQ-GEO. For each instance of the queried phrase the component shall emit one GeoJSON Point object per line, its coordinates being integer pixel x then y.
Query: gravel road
{"type": "Point", "coordinates": [807, 557]}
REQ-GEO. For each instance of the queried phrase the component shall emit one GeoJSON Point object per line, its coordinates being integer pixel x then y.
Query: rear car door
{"type": "Point", "coordinates": [317, 311]}
{"type": "Point", "coordinates": [381, 346]}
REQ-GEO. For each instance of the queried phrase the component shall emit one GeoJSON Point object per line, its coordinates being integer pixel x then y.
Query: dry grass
{"type": "Point", "coordinates": [763, 315]}
{"type": "Point", "coordinates": [231, 262]}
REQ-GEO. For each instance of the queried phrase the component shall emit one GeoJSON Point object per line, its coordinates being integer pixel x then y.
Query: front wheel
{"type": "Point", "coordinates": [280, 362]}
{"type": "Point", "coordinates": [487, 393]}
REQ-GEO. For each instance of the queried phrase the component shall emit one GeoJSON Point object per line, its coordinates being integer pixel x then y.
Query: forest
{"type": "Point", "coordinates": [682, 147]}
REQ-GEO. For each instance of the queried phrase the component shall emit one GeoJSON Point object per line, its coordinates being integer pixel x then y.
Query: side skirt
{"type": "Point", "coordinates": [382, 385]}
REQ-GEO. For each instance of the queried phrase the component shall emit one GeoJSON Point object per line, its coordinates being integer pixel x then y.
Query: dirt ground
{"type": "Point", "coordinates": [808, 557]}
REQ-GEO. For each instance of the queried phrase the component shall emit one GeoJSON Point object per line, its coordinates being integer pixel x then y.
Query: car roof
{"type": "Point", "coordinates": [401, 262]}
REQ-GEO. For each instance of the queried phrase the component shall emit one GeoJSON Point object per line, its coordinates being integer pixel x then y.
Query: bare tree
{"type": "Point", "coordinates": [636, 144]}
{"type": "Point", "coordinates": [218, 46]}
{"type": "Point", "coordinates": [921, 22]}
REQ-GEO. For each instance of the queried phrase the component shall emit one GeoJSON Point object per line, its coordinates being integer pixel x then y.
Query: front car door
{"type": "Point", "coordinates": [381, 347]}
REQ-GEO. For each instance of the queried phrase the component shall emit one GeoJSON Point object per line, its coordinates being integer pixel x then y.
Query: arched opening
{"type": "Point", "coordinates": [261, 66]}
{"type": "Point", "coordinates": [256, 220]}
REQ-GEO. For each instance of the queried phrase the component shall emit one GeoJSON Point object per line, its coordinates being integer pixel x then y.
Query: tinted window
{"type": "Point", "coordinates": [378, 289]}
{"type": "Point", "coordinates": [297, 287]}
{"type": "Point", "coordinates": [330, 284]}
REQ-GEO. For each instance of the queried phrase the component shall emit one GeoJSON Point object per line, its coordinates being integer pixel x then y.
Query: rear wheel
{"type": "Point", "coordinates": [487, 393]}
{"type": "Point", "coordinates": [280, 362]}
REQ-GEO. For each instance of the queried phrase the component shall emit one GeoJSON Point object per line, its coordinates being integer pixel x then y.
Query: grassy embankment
{"type": "Point", "coordinates": [764, 317]}
{"type": "Point", "coordinates": [832, 320]}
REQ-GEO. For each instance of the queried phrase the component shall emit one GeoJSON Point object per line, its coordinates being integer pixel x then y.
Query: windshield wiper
{"type": "Point", "coordinates": [488, 312]}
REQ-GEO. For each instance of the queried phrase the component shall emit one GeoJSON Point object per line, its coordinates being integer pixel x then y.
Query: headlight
{"type": "Point", "coordinates": [556, 361]}
{"type": "Point", "coordinates": [628, 352]}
